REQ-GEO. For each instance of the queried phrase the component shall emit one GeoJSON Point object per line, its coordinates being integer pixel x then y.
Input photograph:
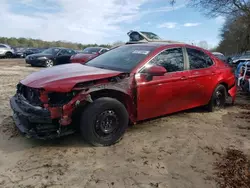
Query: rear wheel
{"type": "Point", "coordinates": [104, 122]}
{"type": "Point", "coordinates": [8, 55]}
{"type": "Point", "coordinates": [49, 63]}
{"type": "Point", "coordinates": [218, 99]}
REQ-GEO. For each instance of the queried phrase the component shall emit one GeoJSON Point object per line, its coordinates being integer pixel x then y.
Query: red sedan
{"type": "Point", "coordinates": [87, 54]}
{"type": "Point", "coordinates": [127, 84]}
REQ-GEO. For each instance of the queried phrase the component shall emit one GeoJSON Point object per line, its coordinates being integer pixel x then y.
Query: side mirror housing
{"type": "Point", "coordinates": [156, 70]}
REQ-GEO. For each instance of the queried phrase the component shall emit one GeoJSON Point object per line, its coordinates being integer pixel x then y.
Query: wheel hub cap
{"type": "Point", "coordinates": [106, 123]}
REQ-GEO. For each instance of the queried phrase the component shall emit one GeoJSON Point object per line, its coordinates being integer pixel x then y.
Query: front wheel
{"type": "Point", "coordinates": [49, 63]}
{"type": "Point", "coordinates": [218, 99]}
{"type": "Point", "coordinates": [8, 55]}
{"type": "Point", "coordinates": [104, 122]}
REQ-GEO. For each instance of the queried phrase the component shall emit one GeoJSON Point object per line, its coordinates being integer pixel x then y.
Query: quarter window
{"type": "Point", "coordinates": [198, 59]}
{"type": "Point", "coordinates": [172, 60]}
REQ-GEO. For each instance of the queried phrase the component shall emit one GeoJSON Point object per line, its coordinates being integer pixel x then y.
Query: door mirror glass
{"type": "Point", "coordinates": [156, 70]}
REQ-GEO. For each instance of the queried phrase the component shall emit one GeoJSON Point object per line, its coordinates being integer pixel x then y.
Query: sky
{"type": "Point", "coordinates": [105, 22]}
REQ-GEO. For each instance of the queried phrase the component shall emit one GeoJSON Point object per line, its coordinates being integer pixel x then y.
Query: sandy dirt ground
{"type": "Point", "coordinates": [178, 150]}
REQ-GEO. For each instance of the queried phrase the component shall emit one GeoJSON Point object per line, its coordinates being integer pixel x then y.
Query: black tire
{"type": "Point", "coordinates": [8, 55]}
{"type": "Point", "coordinates": [218, 99]}
{"type": "Point", "coordinates": [95, 131]}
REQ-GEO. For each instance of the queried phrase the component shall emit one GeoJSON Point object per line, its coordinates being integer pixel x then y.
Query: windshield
{"type": "Point", "coordinates": [123, 58]}
{"type": "Point", "coordinates": [90, 50]}
{"type": "Point", "coordinates": [151, 35]}
{"type": "Point", "coordinates": [51, 51]}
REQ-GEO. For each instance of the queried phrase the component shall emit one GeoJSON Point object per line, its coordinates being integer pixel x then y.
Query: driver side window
{"type": "Point", "coordinates": [172, 60]}
{"type": "Point", "coordinates": [63, 52]}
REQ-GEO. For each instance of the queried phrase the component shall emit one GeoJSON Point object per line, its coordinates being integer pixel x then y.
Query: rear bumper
{"type": "Point", "coordinates": [34, 121]}
{"type": "Point", "coordinates": [232, 92]}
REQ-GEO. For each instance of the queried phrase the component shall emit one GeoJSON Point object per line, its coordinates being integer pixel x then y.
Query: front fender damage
{"type": "Point", "coordinates": [64, 112]}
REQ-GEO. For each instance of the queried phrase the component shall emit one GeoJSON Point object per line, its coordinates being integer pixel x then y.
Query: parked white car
{"type": "Point", "coordinates": [6, 51]}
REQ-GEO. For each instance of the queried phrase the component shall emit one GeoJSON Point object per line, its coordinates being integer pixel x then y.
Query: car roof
{"type": "Point", "coordinates": [217, 53]}
{"type": "Point", "coordinates": [165, 44]}
{"type": "Point", "coordinates": [156, 44]}
{"type": "Point", "coordinates": [61, 48]}
{"type": "Point", "coordinates": [5, 45]}
{"type": "Point", "coordinates": [96, 47]}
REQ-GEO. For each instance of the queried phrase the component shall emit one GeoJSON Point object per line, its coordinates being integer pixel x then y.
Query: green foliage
{"type": "Point", "coordinates": [36, 43]}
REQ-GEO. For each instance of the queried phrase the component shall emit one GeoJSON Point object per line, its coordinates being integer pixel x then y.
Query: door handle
{"type": "Point", "coordinates": [183, 78]}
{"type": "Point", "coordinates": [213, 73]}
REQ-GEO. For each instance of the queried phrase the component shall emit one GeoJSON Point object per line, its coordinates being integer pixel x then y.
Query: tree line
{"type": "Point", "coordinates": [235, 32]}
{"type": "Point", "coordinates": [37, 43]}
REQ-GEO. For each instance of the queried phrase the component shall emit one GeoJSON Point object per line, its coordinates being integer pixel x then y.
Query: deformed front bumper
{"type": "Point", "coordinates": [34, 121]}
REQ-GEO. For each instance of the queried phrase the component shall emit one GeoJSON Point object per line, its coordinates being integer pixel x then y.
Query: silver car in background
{"type": "Point", "coordinates": [6, 51]}
{"type": "Point", "coordinates": [220, 56]}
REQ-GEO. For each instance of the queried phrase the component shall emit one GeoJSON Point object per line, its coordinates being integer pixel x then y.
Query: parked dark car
{"type": "Point", "coordinates": [88, 54]}
{"type": "Point", "coordinates": [129, 83]}
{"type": "Point", "coordinates": [19, 52]}
{"type": "Point", "coordinates": [50, 57]}
{"type": "Point", "coordinates": [31, 51]}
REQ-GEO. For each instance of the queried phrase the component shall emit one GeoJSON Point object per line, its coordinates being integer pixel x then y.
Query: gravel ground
{"type": "Point", "coordinates": [178, 150]}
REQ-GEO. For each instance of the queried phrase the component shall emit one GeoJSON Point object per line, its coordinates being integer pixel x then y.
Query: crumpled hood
{"type": "Point", "coordinates": [63, 78]}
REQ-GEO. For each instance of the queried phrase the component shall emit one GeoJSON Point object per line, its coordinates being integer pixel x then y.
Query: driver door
{"type": "Point", "coordinates": [160, 95]}
{"type": "Point", "coordinates": [63, 56]}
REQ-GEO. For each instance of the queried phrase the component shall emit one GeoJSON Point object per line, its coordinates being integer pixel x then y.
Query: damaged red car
{"type": "Point", "coordinates": [122, 86]}
{"type": "Point", "coordinates": [87, 54]}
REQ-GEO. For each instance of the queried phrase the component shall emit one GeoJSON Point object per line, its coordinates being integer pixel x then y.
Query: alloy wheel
{"type": "Point", "coordinates": [49, 63]}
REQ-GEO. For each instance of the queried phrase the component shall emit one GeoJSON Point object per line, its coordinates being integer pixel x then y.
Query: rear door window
{"type": "Point", "coordinates": [198, 59]}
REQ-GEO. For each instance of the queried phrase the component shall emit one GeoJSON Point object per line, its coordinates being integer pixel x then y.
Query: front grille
{"type": "Point", "coordinates": [32, 95]}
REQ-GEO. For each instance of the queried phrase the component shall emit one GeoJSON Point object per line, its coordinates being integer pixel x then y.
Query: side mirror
{"type": "Point", "coordinates": [156, 70]}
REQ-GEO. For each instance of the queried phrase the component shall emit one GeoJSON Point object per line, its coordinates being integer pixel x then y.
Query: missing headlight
{"type": "Point", "coordinates": [59, 99]}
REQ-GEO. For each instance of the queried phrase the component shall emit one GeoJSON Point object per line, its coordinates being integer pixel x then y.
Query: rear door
{"type": "Point", "coordinates": [203, 76]}
{"type": "Point", "coordinates": [161, 95]}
